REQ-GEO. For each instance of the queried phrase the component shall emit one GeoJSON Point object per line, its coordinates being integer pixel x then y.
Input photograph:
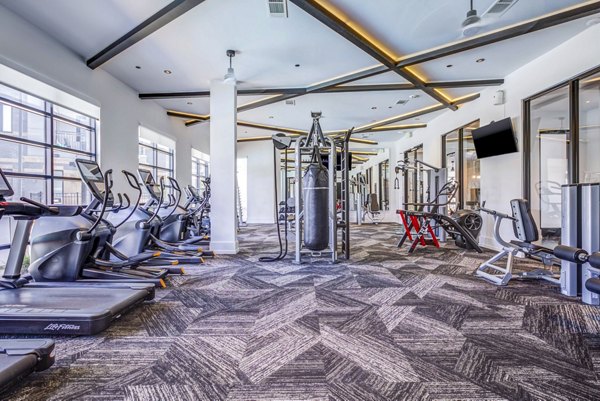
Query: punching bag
{"type": "Point", "coordinates": [315, 193]}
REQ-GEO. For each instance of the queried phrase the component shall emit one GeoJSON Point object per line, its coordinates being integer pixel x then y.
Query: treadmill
{"type": "Point", "coordinates": [20, 358]}
{"type": "Point", "coordinates": [57, 308]}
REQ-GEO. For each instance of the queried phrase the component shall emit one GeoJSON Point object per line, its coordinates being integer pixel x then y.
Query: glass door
{"type": "Point", "coordinates": [550, 141]}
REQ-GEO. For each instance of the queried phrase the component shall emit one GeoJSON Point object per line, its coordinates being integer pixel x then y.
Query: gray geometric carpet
{"type": "Point", "coordinates": [383, 326]}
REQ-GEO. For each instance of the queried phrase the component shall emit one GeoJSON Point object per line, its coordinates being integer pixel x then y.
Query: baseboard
{"type": "Point", "coordinates": [224, 247]}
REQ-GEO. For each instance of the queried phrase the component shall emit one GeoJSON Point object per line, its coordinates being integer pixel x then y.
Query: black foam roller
{"type": "Point", "coordinates": [570, 253]}
{"type": "Point", "coordinates": [594, 260]}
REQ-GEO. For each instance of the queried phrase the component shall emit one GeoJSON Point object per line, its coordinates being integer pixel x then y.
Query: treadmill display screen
{"type": "Point", "coordinates": [5, 189]}
{"type": "Point", "coordinates": [92, 176]}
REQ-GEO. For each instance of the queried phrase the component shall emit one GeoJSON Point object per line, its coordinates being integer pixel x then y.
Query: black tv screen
{"type": "Point", "coordinates": [497, 138]}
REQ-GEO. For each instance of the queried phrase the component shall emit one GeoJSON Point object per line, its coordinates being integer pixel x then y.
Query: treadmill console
{"type": "Point", "coordinates": [5, 189]}
{"type": "Point", "coordinates": [93, 178]}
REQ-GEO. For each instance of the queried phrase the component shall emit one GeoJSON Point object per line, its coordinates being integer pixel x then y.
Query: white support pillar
{"type": "Point", "coordinates": [223, 157]}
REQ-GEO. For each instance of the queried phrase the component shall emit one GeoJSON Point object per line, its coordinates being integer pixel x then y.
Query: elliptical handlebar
{"type": "Point", "coordinates": [160, 200]}
{"type": "Point", "coordinates": [133, 182]}
{"type": "Point", "coordinates": [108, 183]}
{"type": "Point", "coordinates": [176, 199]}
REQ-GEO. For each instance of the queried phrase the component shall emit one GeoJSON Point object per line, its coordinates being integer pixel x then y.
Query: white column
{"type": "Point", "coordinates": [223, 157]}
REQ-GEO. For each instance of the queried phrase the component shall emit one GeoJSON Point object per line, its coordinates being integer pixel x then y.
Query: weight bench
{"type": "Point", "coordinates": [526, 232]}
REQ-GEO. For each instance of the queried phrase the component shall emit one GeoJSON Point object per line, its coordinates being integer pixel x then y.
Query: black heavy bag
{"type": "Point", "coordinates": [315, 192]}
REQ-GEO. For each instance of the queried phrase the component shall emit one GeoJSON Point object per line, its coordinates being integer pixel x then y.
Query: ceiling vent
{"type": "Point", "coordinates": [499, 7]}
{"type": "Point", "coordinates": [290, 102]}
{"type": "Point", "coordinates": [402, 102]}
{"type": "Point", "coordinates": [278, 8]}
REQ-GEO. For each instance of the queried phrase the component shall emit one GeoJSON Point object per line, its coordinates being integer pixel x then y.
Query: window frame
{"type": "Point", "coordinates": [573, 153]}
{"type": "Point", "coordinates": [460, 169]}
{"type": "Point", "coordinates": [48, 145]}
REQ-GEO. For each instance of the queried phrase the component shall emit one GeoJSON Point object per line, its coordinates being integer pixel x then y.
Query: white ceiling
{"type": "Point", "coordinates": [193, 48]}
{"type": "Point", "coordinates": [410, 26]}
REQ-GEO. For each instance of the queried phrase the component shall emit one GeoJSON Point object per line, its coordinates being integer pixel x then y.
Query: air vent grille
{"type": "Point", "coordinates": [278, 8]}
{"type": "Point", "coordinates": [290, 102]}
{"type": "Point", "coordinates": [499, 8]}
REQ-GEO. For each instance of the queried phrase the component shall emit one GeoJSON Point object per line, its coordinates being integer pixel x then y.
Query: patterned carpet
{"type": "Point", "coordinates": [382, 327]}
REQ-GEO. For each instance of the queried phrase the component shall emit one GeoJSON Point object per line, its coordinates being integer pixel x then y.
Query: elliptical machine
{"type": "Point", "coordinates": [79, 247]}
{"type": "Point", "coordinates": [173, 226]}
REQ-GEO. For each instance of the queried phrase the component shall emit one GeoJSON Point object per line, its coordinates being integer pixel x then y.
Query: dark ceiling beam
{"type": "Point", "coordinates": [465, 84]}
{"type": "Point", "coordinates": [161, 18]}
{"type": "Point", "coordinates": [332, 21]}
{"type": "Point", "coordinates": [292, 131]}
{"type": "Point", "coordinates": [346, 79]}
{"type": "Point", "coordinates": [546, 21]}
{"type": "Point", "coordinates": [265, 102]}
{"type": "Point", "coordinates": [332, 89]}
{"type": "Point", "coordinates": [397, 127]}
{"type": "Point", "coordinates": [183, 114]}
{"type": "Point", "coordinates": [368, 88]}
{"type": "Point", "coordinates": [413, 114]}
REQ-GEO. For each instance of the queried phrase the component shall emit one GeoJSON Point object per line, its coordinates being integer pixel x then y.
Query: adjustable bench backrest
{"type": "Point", "coordinates": [524, 225]}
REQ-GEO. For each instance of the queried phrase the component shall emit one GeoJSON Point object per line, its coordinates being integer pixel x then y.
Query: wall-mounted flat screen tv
{"type": "Point", "coordinates": [497, 138]}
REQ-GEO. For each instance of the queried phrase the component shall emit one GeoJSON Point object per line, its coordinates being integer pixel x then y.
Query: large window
{"type": "Point", "coordinates": [39, 143]}
{"type": "Point", "coordinates": [200, 168]}
{"type": "Point", "coordinates": [461, 163]}
{"type": "Point", "coordinates": [560, 144]}
{"type": "Point", "coordinates": [157, 154]}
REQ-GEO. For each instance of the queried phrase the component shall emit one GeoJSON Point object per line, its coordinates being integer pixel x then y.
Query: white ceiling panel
{"type": "Point", "coordinates": [85, 26]}
{"type": "Point", "coordinates": [501, 58]}
{"type": "Point", "coordinates": [410, 26]}
{"type": "Point", "coordinates": [193, 48]}
{"type": "Point", "coordinates": [340, 110]}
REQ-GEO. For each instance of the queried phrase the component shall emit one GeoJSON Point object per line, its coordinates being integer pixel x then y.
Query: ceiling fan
{"type": "Point", "coordinates": [474, 23]}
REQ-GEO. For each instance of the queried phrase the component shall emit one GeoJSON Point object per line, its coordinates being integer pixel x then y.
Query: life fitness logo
{"type": "Point", "coordinates": [57, 327]}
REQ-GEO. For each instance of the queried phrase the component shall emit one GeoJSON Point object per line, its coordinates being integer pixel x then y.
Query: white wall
{"type": "Point", "coordinates": [30, 51]}
{"type": "Point", "coordinates": [261, 189]}
{"type": "Point", "coordinates": [501, 176]}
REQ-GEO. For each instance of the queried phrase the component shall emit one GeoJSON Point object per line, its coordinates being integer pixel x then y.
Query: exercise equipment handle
{"type": "Point", "coordinates": [108, 183]}
{"type": "Point", "coordinates": [160, 200]}
{"type": "Point", "coordinates": [177, 199]}
{"type": "Point", "coordinates": [46, 208]}
{"type": "Point", "coordinates": [132, 179]}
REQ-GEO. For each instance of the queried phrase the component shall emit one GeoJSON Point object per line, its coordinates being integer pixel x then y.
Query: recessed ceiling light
{"type": "Point", "coordinates": [389, 107]}
{"type": "Point", "coordinates": [588, 101]}
{"type": "Point", "coordinates": [297, 65]}
{"type": "Point", "coordinates": [138, 67]}
{"type": "Point", "coordinates": [271, 117]}
{"type": "Point", "coordinates": [480, 60]}
{"type": "Point", "coordinates": [415, 96]}
{"type": "Point", "coordinates": [449, 66]}
{"type": "Point", "coordinates": [189, 102]}
{"type": "Point", "coordinates": [168, 72]}
{"type": "Point", "coordinates": [374, 108]}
